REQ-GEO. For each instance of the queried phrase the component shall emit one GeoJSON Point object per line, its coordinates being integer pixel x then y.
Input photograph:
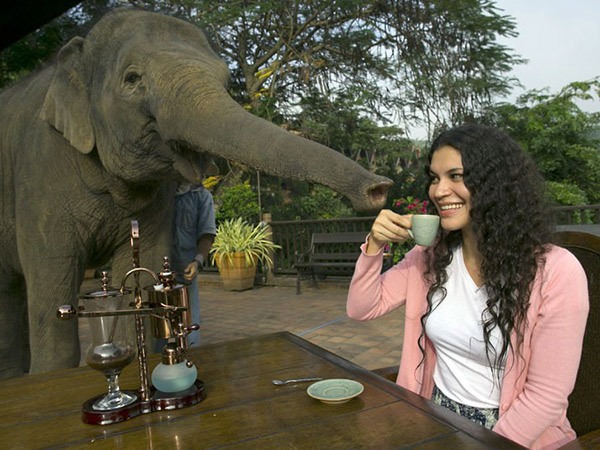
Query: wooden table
{"type": "Point", "coordinates": [243, 409]}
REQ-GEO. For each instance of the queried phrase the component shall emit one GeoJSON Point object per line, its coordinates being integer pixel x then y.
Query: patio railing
{"type": "Point", "coordinates": [577, 215]}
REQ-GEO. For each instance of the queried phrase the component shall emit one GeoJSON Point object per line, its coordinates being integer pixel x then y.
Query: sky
{"type": "Point", "coordinates": [559, 38]}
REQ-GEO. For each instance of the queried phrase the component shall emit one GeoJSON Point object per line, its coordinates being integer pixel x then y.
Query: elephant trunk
{"type": "Point", "coordinates": [225, 129]}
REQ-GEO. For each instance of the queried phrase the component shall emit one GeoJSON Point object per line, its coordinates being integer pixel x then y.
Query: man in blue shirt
{"type": "Point", "coordinates": [193, 234]}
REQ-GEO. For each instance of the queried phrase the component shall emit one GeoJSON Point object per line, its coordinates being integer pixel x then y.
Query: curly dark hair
{"type": "Point", "coordinates": [509, 217]}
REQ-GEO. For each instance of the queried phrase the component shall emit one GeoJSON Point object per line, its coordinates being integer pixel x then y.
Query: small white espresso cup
{"type": "Point", "coordinates": [424, 228]}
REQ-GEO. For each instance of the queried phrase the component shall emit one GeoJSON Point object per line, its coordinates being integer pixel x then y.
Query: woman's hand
{"type": "Point", "coordinates": [388, 227]}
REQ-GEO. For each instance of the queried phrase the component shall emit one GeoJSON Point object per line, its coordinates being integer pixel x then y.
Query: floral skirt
{"type": "Point", "coordinates": [482, 416]}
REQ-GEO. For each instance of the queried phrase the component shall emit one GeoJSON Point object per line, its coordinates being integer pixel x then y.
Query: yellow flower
{"type": "Point", "coordinates": [211, 182]}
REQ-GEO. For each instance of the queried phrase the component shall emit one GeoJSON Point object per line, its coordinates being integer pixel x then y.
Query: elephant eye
{"type": "Point", "coordinates": [132, 78]}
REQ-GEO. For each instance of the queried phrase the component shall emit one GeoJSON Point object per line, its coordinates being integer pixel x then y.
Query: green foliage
{"type": "Point", "coordinates": [397, 250]}
{"type": "Point", "coordinates": [319, 203]}
{"type": "Point", "coordinates": [296, 200]}
{"type": "Point", "coordinates": [238, 236]}
{"type": "Point", "coordinates": [238, 201]}
{"type": "Point", "coordinates": [569, 195]}
{"type": "Point", "coordinates": [560, 136]}
{"type": "Point", "coordinates": [565, 194]}
{"type": "Point", "coordinates": [27, 54]}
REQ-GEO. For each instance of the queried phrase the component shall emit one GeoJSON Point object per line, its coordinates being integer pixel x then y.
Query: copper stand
{"type": "Point", "coordinates": [148, 398]}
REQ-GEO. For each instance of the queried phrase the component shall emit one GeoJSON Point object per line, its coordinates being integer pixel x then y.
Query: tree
{"type": "Point", "coordinates": [408, 60]}
{"type": "Point", "coordinates": [560, 136]}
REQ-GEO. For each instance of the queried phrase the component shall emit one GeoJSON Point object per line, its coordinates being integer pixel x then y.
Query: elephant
{"type": "Point", "coordinates": [100, 137]}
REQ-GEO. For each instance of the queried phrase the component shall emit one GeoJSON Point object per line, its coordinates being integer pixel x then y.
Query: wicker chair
{"type": "Point", "coordinates": [583, 402]}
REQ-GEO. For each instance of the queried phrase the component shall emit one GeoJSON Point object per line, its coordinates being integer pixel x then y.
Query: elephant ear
{"type": "Point", "coordinates": [67, 106]}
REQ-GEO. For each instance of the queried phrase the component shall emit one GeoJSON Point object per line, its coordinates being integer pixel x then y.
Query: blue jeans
{"type": "Point", "coordinates": [486, 417]}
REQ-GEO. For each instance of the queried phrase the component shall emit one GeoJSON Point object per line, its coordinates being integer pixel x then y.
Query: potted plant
{"type": "Point", "coordinates": [237, 248]}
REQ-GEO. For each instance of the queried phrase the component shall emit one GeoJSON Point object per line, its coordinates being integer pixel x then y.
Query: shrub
{"type": "Point", "coordinates": [238, 200]}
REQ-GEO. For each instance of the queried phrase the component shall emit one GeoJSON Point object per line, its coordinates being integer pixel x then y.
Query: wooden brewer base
{"type": "Point", "coordinates": [196, 394]}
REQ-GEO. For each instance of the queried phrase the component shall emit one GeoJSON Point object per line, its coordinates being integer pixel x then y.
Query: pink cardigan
{"type": "Point", "coordinates": [535, 388]}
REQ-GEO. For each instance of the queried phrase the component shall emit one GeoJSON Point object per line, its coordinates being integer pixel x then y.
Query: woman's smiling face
{"type": "Point", "coordinates": [447, 190]}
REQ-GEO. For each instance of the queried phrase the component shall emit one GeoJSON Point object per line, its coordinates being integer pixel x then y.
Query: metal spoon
{"type": "Point", "coordinates": [295, 380]}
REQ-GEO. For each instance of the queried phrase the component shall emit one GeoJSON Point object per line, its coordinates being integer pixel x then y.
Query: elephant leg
{"type": "Point", "coordinates": [54, 343]}
{"type": "Point", "coordinates": [14, 349]}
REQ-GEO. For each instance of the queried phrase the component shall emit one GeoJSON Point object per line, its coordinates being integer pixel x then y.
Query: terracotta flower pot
{"type": "Point", "coordinates": [235, 273]}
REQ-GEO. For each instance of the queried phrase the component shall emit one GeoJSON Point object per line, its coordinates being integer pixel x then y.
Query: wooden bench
{"type": "Point", "coordinates": [329, 254]}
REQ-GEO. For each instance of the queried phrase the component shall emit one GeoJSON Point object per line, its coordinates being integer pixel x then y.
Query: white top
{"type": "Point", "coordinates": [462, 371]}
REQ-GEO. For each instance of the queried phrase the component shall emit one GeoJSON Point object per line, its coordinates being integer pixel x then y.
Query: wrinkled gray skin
{"type": "Point", "coordinates": [99, 139]}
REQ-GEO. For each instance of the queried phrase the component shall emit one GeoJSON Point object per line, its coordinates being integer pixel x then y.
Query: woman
{"type": "Point", "coordinates": [495, 314]}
